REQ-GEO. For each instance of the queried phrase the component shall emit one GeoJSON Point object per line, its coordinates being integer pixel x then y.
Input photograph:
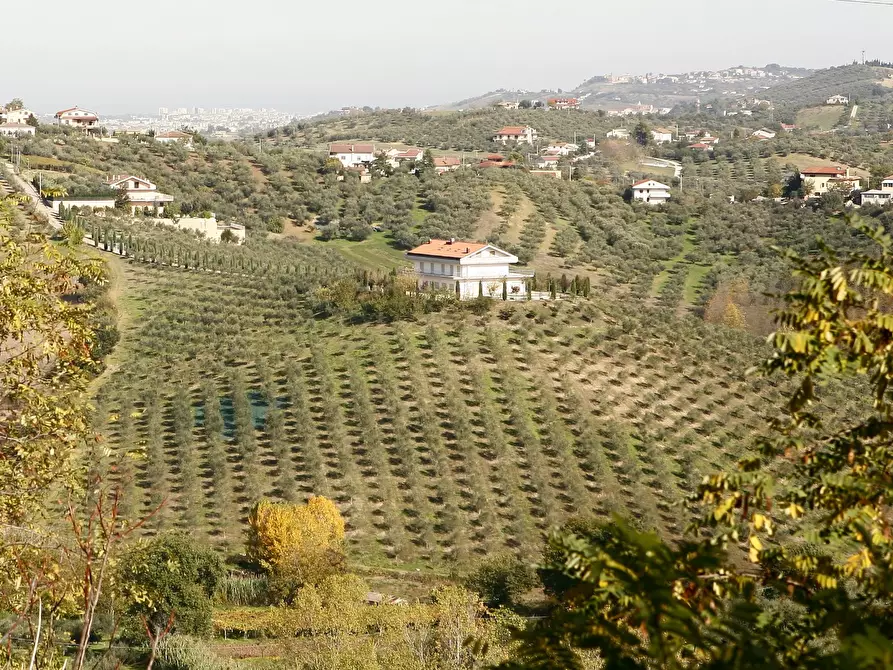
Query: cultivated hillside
{"type": "Point", "coordinates": [855, 81]}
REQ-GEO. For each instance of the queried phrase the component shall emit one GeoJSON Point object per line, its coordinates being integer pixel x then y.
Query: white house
{"type": "Point", "coordinates": [142, 193]}
{"type": "Point", "coordinates": [446, 164]}
{"type": "Point", "coordinates": [211, 228]}
{"type": "Point", "coordinates": [352, 155]}
{"type": "Point", "coordinates": [763, 134]}
{"type": "Point", "coordinates": [823, 179]}
{"type": "Point", "coordinates": [561, 149]}
{"type": "Point", "coordinates": [837, 100]}
{"type": "Point", "coordinates": [468, 269]}
{"type": "Point", "coordinates": [516, 134]}
{"type": "Point", "coordinates": [77, 117]}
{"type": "Point", "coordinates": [16, 129]}
{"type": "Point", "coordinates": [662, 135]}
{"type": "Point", "coordinates": [618, 134]}
{"type": "Point", "coordinates": [881, 196]}
{"type": "Point", "coordinates": [16, 115]}
{"type": "Point", "coordinates": [172, 136]}
{"type": "Point", "coordinates": [651, 192]}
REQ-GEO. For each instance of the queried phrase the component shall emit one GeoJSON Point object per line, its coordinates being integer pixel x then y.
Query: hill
{"type": "Point", "coordinates": [855, 81]}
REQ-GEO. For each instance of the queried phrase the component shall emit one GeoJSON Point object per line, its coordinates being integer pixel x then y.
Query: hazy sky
{"type": "Point", "coordinates": [309, 56]}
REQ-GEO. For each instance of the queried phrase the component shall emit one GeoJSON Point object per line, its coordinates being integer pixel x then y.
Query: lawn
{"type": "Point", "coordinates": [375, 253]}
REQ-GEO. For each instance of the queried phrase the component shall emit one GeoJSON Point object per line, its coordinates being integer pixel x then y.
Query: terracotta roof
{"type": "Point", "coordinates": [699, 145]}
{"type": "Point", "coordinates": [645, 181]}
{"type": "Point", "coordinates": [14, 125]}
{"type": "Point", "coordinates": [446, 161]}
{"type": "Point", "coordinates": [75, 109]}
{"type": "Point", "coordinates": [834, 171]}
{"type": "Point", "coordinates": [446, 249]}
{"type": "Point", "coordinates": [173, 134]}
{"type": "Point", "coordinates": [351, 148]}
{"type": "Point", "coordinates": [513, 130]}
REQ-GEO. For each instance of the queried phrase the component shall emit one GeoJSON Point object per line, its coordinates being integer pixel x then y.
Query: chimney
{"type": "Point", "coordinates": [467, 250]}
{"type": "Point", "coordinates": [452, 239]}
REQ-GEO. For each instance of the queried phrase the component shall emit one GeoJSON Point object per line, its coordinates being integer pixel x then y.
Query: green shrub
{"type": "Point", "coordinates": [181, 652]}
{"type": "Point", "coordinates": [501, 580]}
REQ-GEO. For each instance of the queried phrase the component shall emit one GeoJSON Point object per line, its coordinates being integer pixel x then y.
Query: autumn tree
{"type": "Point", "coordinates": [296, 544]}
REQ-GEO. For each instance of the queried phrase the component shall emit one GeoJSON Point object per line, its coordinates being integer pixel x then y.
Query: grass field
{"type": "Point", "coordinates": [822, 118]}
{"type": "Point", "coordinates": [441, 440]}
{"type": "Point", "coordinates": [374, 253]}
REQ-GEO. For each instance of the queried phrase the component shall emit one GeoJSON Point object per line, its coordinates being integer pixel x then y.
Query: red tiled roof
{"type": "Point", "coordinates": [351, 148]}
{"type": "Point", "coordinates": [513, 130]}
{"type": "Point", "coordinates": [890, 178]}
{"type": "Point", "coordinates": [834, 171]}
{"type": "Point", "coordinates": [446, 249]}
{"type": "Point", "coordinates": [173, 134]}
{"type": "Point", "coordinates": [645, 181]}
{"type": "Point", "coordinates": [446, 161]}
{"type": "Point", "coordinates": [699, 145]}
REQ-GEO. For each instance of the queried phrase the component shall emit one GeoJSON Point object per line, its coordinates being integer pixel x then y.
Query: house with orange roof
{"type": "Point", "coordinates": [172, 136]}
{"type": "Point", "coordinates": [77, 118]}
{"type": "Point", "coordinates": [516, 134]}
{"type": "Point", "coordinates": [468, 269]}
{"type": "Point", "coordinates": [824, 178]}
{"type": "Point", "coordinates": [142, 193]}
{"type": "Point", "coordinates": [446, 164]}
{"type": "Point", "coordinates": [352, 155]}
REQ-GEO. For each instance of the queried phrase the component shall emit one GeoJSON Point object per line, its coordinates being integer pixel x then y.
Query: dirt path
{"type": "Point", "coordinates": [124, 318]}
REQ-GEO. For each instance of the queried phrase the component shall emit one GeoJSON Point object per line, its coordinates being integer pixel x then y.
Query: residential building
{"type": "Point", "coordinates": [763, 134]}
{"type": "Point", "coordinates": [174, 136]}
{"type": "Point", "coordinates": [508, 104]}
{"type": "Point", "coordinates": [16, 115]}
{"type": "Point", "coordinates": [77, 117]}
{"type": "Point", "coordinates": [563, 103]}
{"type": "Point", "coordinates": [554, 174]}
{"type": "Point", "coordinates": [788, 127]}
{"type": "Point", "coordinates": [651, 192]}
{"type": "Point", "coordinates": [618, 134]}
{"type": "Point", "coordinates": [142, 193]}
{"type": "Point", "coordinates": [701, 146]}
{"type": "Point", "coordinates": [561, 149]}
{"type": "Point", "coordinates": [516, 134]}
{"type": "Point", "coordinates": [590, 143]}
{"type": "Point", "coordinates": [16, 129]}
{"type": "Point", "coordinates": [837, 100]}
{"type": "Point", "coordinates": [823, 179]}
{"type": "Point", "coordinates": [545, 162]}
{"type": "Point", "coordinates": [662, 135]}
{"type": "Point", "coordinates": [881, 196]}
{"type": "Point", "coordinates": [352, 155]}
{"type": "Point", "coordinates": [469, 269]}
{"type": "Point", "coordinates": [210, 227]}
{"type": "Point", "coordinates": [446, 164]}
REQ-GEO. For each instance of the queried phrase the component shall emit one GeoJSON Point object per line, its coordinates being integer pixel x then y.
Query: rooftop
{"type": "Point", "coordinates": [834, 171]}
{"type": "Point", "coordinates": [447, 248]}
{"type": "Point", "coordinates": [513, 130]}
{"type": "Point", "coordinates": [351, 148]}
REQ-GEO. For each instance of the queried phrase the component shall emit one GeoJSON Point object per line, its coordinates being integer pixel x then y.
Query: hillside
{"type": "Point", "coordinates": [858, 82]}
{"type": "Point", "coordinates": [442, 439]}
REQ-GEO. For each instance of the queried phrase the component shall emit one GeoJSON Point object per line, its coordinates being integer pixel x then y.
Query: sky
{"type": "Point", "coordinates": [307, 56]}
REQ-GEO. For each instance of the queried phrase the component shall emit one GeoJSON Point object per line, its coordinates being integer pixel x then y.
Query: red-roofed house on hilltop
{"type": "Point", "coordinates": [823, 179]}
{"type": "Point", "coordinates": [446, 164]}
{"type": "Point", "coordinates": [77, 118]}
{"type": "Point", "coordinates": [352, 155]}
{"type": "Point", "coordinates": [470, 269]}
{"type": "Point", "coordinates": [563, 103]}
{"type": "Point", "coordinates": [516, 134]}
{"type": "Point", "coordinates": [651, 192]}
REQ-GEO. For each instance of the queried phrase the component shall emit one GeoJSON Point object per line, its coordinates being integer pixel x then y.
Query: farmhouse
{"type": "Point", "coordinates": [563, 103]}
{"type": "Point", "coordinates": [651, 192]}
{"type": "Point", "coordinates": [763, 134]}
{"type": "Point", "coordinates": [16, 129]}
{"type": "Point", "coordinates": [881, 196]}
{"type": "Point", "coordinates": [446, 164]}
{"type": "Point", "coordinates": [210, 228]}
{"type": "Point", "coordinates": [516, 134]}
{"type": "Point", "coordinates": [837, 100]}
{"type": "Point", "coordinates": [77, 118]}
{"type": "Point", "coordinates": [142, 193]}
{"type": "Point", "coordinates": [618, 134]}
{"type": "Point", "coordinates": [470, 269]}
{"type": "Point", "coordinates": [352, 155]}
{"type": "Point", "coordinates": [561, 149]}
{"type": "Point", "coordinates": [16, 115]}
{"type": "Point", "coordinates": [662, 135]}
{"type": "Point", "coordinates": [823, 179]}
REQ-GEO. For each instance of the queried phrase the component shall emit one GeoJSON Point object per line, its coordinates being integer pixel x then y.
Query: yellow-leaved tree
{"type": "Point", "coordinates": [296, 544]}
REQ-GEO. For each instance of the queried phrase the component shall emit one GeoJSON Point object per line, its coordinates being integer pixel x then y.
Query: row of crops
{"type": "Point", "coordinates": [440, 440]}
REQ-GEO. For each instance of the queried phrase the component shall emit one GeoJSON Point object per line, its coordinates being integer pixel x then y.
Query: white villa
{"type": "Point", "coordinates": [823, 179]}
{"type": "Point", "coordinates": [143, 194]}
{"type": "Point", "coordinates": [16, 115]}
{"type": "Point", "coordinates": [211, 228]}
{"type": "Point", "coordinates": [468, 269]}
{"type": "Point", "coordinates": [516, 134]}
{"type": "Point", "coordinates": [352, 155]}
{"type": "Point", "coordinates": [618, 134]}
{"type": "Point", "coordinates": [881, 196]}
{"type": "Point", "coordinates": [77, 117]}
{"type": "Point", "coordinates": [174, 136]}
{"type": "Point", "coordinates": [662, 136]}
{"type": "Point", "coordinates": [651, 192]}
{"type": "Point", "coordinates": [11, 129]}
{"type": "Point", "coordinates": [837, 100]}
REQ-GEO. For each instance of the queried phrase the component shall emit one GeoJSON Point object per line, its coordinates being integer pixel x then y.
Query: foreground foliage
{"type": "Point", "coordinates": [792, 564]}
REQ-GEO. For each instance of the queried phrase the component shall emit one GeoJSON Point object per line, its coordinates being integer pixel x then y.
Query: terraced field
{"type": "Point", "coordinates": [442, 439]}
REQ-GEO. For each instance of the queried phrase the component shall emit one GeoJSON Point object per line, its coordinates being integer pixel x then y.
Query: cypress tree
{"type": "Point", "coordinates": [505, 290]}
{"type": "Point", "coordinates": [480, 289]}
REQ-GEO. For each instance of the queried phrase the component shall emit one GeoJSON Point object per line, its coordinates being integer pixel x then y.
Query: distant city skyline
{"type": "Point", "coordinates": [307, 59]}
